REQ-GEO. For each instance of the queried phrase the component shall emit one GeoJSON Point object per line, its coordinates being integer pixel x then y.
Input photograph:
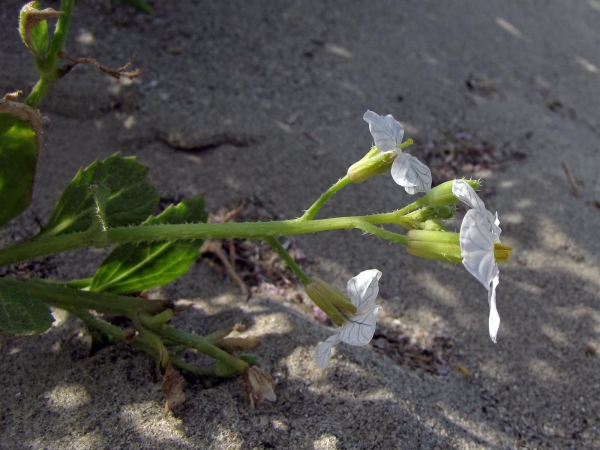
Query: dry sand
{"type": "Point", "coordinates": [268, 97]}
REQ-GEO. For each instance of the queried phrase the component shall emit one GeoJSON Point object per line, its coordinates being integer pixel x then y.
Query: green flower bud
{"type": "Point", "coordinates": [373, 163]}
{"type": "Point", "coordinates": [439, 245]}
{"type": "Point", "coordinates": [330, 300]}
{"type": "Point", "coordinates": [442, 193]}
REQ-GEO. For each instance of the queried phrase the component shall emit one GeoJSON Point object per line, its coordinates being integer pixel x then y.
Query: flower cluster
{"type": "Point", "coordinates": [477, 246]}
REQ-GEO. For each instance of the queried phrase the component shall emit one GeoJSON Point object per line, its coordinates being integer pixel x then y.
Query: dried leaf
{"type": "Point", "coordinates": [172, 389]}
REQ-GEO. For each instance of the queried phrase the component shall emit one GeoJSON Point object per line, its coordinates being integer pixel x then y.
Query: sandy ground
{"type": "Point", "coordinates": [267, 100]}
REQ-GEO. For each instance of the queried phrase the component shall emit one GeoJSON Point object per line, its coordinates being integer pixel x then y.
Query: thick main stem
{"type": "Point", "coordinates": [46, 245]}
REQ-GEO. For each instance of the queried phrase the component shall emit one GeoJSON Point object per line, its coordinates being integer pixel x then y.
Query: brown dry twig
{"type": "Point", "coordinates": [115, 73]}
{"type": "Point", "coordinates": [214, 246]}
{"type": "Point", "coordinates": [567, 170]}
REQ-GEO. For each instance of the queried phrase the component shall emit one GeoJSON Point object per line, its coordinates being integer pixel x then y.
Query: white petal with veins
{"type": "Point", "coordinates": [363, 289]}
{"type": "Point", "coordinates": [477, 247]}
{"type": "Point", "coordinates": [387, 132]}
{"type": "Point", "coordinates": [411, 174]}
{"type": "Point", "coordinates": [324, 350]}
{"type": "Point", "coordinates": [466, 194]}
{"type": "Point", "coordinates": [359, 329]}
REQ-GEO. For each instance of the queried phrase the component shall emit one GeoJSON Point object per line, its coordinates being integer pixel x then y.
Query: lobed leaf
{"type": "Point", "coordinates": [18, 160]}
{"type": "Point", "coordinates": [135, 267]}
{"type": "Point", "coordinates": [131, 199]}
{"type": "Point", "coordinates": [22, 314]}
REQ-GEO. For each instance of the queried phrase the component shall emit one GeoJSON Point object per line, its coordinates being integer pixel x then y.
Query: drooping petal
{"type": "Point", "coordinates": [363, 289]}
{"type": "Point", "coordinates": [387, 132]}
{"type": "Point", "coordinates": [323, 352]}
{"type": "Point", "coordinates": [477, 247]}
{"type": "Point", "coordinates": [359, 329]}
{"type": "Point", "coordinates": [411, 174]}
{"type": "Point", "coordinates": [466, 194]}
{"type": "Point", "coordinates": [494, 322]}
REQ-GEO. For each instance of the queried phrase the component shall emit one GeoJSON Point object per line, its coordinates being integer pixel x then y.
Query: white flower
{"type": "Point", "coordinates": [466, 194]}
{"type": "Point", "coordinates": [479, 232]}
{"type": "Point", "coordinates": [407, 171]}
{"type": "Point", "coordinates": [358, 330]}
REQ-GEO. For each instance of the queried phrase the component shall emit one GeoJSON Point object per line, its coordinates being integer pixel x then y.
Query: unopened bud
{"type": "Point", "coordinates": [375, 162]}
{"type": "Point", "coordinates": [442, 193]}
{"type": "Point", "coordinates": [439, 245]}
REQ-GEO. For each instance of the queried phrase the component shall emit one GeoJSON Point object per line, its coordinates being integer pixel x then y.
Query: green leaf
{"type": "Point", "coordinates": [39, 38]}
{"type": "Point", "coordinates": [135, 267]}
{"type": "Point", "coordinates": [140, 5]}
{"type": "Point", "coordinates": [131, 198]}
{"type": "Point", "coordinates": [18, 160]}
{"type": "Point", "coordinates": [20, 313]}
{"type": "Point", "coordinates": [101, 196]}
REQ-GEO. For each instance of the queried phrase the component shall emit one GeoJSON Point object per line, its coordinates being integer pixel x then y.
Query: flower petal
{"type": "Point", "coordinates": [411, 174]}
{"type": "Point", "coordinates": [360, 328]}
{"type": "Point", "coordinates": [323, 352]}
{"type": "Point", "coordinates": [494, 322]}
{"type": "Point", "coordinates": [387, 132]}
{"type": "Point", "coordinates": [466, 194]}
{"type": "Point", "coordinates": [363, 289]}
{"type": "Point", "coordinates": [477, 247]}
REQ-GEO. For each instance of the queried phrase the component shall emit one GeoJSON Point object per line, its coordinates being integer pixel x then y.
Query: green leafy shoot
{"type": "Point", "coordinates": [18, 160]}
{"type": "Point", "coordinates": [131, 198]}
{"type": "Point", "coordinates": [19, 312]}
{"type": "Point", "coordinates": [140, 5]}
{"type": "Point", "coordinates": [39, 38]}
{"type": "Point", "coordinates": [135, 267]}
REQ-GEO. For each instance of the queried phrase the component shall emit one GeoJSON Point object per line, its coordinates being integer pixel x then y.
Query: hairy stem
{"type": "Point", "coordinates": [312, 211]}
{"type": "Point", "coordinates": [282, 252]}
{"type": "Point", "coordinates": [200, 343]}
{"type": "Point", "coordinates": [46, 245]}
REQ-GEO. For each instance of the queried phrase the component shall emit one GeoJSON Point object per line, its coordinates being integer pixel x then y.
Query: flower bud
{"type": "Point", "coordinates": [442, 193]}
{"type": "Point", "coordinates": [439, 245]}
{"type": "Point", "coordinates": [375, 162]}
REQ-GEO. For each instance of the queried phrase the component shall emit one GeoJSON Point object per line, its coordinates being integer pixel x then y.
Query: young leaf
{"type": "Point", "coordinates": [34, 28]}
{"type": "Point", "coordinates": [140, 5]}
{"type": "Point", "coordinates": [18, 160]}
{"type": "Point", "coordinates": [131, 197]}
{"type": "Point", "coordinates": [135, 267]}
{"type": "Point", "coordinates": [20, 313]}
{"type": "Point", "coordinates": [39, 38]}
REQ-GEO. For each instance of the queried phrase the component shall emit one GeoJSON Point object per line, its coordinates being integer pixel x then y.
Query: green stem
{"type": "Point", "coordinates": [46, 245]}
{"type": "Point", "coordinates": [380, 232]}
{"type": "Point", "coordinates": [48, 67]}
{"type": "Point", "coordinates": [200, 343]}
{"type": "Point", "coordinates": [282, 252]}
{"type": "Point", "coordinates": [117, 333]}
{"type": "Point", "coordinates": [312, 211]}
{"type": "Point", "coordinates": [64, 297]}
